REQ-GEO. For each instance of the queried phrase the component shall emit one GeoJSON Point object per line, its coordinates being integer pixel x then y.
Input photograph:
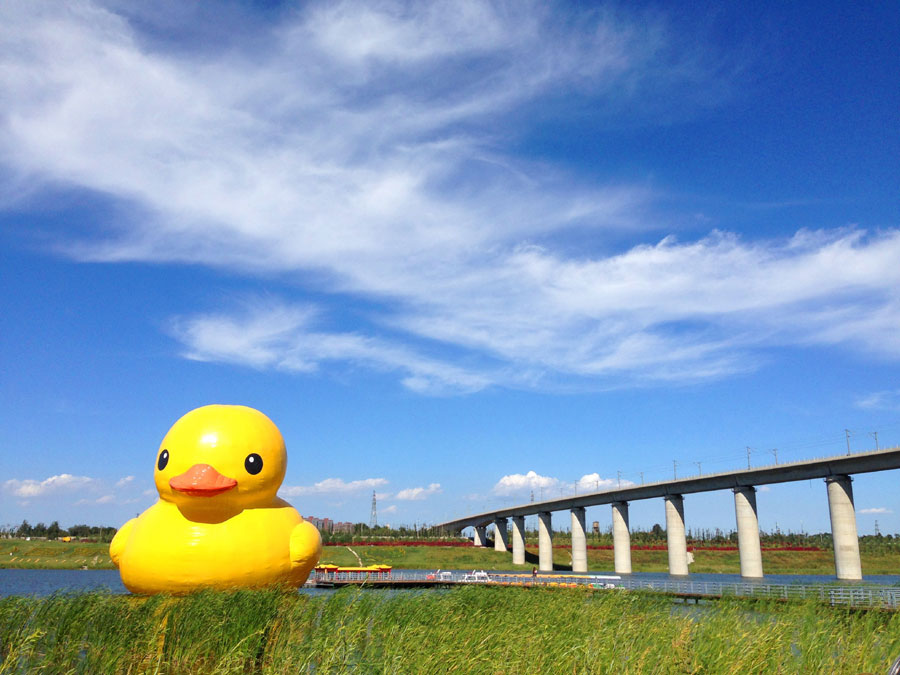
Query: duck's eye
{"type": "Point", "coordinates": [163, 460]}
{"type": "Point", "coordinates": [253, 463]}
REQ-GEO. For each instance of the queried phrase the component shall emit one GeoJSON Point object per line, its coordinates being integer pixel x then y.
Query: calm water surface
{"type": "Point", "coordinates": [45, 582]}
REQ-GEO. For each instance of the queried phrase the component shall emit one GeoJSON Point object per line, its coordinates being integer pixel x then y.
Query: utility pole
{"type": "Point", "coordinates": [748, 456]}
{"type": "Point", "coordinates": [875, 434]}
{"type": "Point", "coordinates": [619, 478]}
{"type": "Point", "coordinates": [675, 469]}
{"type": "Point", "coordinates": [373, 519]}
{"type": "Point", "coordinates": [699, 469]}
{"type": "Point", "coordinates": [775, 452]}
{"type": "Point", "coordinates": [847, 433]}
{"type": "Point", "coordinates": [642, 477]}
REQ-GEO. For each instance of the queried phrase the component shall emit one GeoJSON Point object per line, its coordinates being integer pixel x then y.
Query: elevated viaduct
{"type": "Point", "coordinates": [837, 472]}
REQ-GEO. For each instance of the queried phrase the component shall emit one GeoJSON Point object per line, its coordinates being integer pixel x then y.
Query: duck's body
{"type": "Point", "coordinates": [166, 553]}
{"type": "Point", "coordinates": [212, 530]}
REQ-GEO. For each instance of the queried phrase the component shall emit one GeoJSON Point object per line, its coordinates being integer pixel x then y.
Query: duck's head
{"type": "Point", "coordinates": [221, 457]}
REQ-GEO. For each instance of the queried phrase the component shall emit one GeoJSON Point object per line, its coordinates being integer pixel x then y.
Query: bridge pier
{"type": "Point", "coordinates": [480, 535]}
{"type": "Point", "coordinates": [748, 532]}
{"type": "Point", "coordinates": [843, 527]}
{"type": "Point", "coordinates": [501, 535]}
{"type": "Point", "coordinates": [579, 541]}
{"type": "Point", "coordinates": [621, 538]}
{"type": "Point", "coordinates": [518, 540]}
{"type": "Point", "coordinates": [545, 542]}
{"type": "Point", "coordinates": [677, 542]}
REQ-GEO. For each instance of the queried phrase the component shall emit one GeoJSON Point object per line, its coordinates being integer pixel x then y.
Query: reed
{"type": "Point", "coordinates": [466, 630]}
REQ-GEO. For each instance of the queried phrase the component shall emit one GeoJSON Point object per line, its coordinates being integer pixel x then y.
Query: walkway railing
{"type": "Point", "coordinates": [853, 596]}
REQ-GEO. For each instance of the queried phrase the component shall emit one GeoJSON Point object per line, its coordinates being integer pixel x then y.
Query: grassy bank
{"type": "Point", "coordinates": [21, 554]}
{"type": "Point", "coordinates": [18, 553]}
{"type": "Point", "coordinates": [464, 630]}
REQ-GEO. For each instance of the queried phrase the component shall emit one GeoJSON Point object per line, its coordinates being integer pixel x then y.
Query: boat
{"type": "Point", "coordinates": [368, 569]}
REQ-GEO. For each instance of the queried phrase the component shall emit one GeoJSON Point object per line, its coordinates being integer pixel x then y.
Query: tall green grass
{"type": "Point", "coordinates": [464, 630]}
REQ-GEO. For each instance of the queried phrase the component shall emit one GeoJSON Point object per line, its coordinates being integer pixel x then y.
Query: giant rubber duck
{"type": "Point", "coordinates": [218, 522]}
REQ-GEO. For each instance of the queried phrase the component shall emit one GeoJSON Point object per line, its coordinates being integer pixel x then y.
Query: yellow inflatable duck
{"type": "Point", "coordinates": [218, 522]}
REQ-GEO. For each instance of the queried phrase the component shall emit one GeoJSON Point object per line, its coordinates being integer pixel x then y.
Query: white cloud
{"type": "Point", "coordinates": [123, 482]}
{"type": "Point", "coordinates": [389, 509]}
{"type": "Point", "coordinates": [333, 486]}
{"type": "Point", "coordinates": [593, 482]}
{"type": "Point", "coordinates": [547, 487]}
{"type": "Point", "coordinates": [358, 151]}
{"type": "Point", "coordinates": [64, 482]}
{"type": "Point", "coordinates": [517, 482]}
{"type": "Point", "coordinates": [875, 510]}
{"type": "Point", "coordinates": [419, 493]}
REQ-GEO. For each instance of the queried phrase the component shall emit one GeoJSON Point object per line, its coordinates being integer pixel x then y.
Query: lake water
{"type": "Point", "coordinates": [45, 582]}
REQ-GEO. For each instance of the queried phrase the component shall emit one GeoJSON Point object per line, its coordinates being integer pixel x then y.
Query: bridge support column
{"type": "Point", "coordinates": [545, 542]}
{"type": "Point", "coordinates": [621, 538]}
{"type": "Point", "coordinates": [748, 532]}
{"type": "Point", "coordinates": [579, 541]}
{"type": "Point", "coordinates": [843, 527]}
{"type": "Point", "coordinates": [501, 536]}
{"type": "Point", "coordinates": [677, 543]}
{"type": "Point", "coordinates": [518, 540]}
{"type": "Point", "coordinates": [480, 535]}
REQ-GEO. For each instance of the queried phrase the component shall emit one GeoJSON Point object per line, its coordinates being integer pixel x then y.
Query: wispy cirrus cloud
{"type": "Point", "coordinates": [266, 334]}
{"type": "Point", "coordinates": [340, 487]}
{"type": "Point", "coordinates": [65, 487]}
{"type": "Point", "coordinates": [876, 510]}
{"type": "Point", "coordinates": [333, 486]}
{"type": "Point", "coordinates": [369, 152]}
{"type": "Point", "coordinates": [880, 400]}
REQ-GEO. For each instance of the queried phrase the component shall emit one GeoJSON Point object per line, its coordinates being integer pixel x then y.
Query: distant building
{"type": "Point", "coordinates": [321, 524]}
{"type": "Point", "coordinates": [328, 525]}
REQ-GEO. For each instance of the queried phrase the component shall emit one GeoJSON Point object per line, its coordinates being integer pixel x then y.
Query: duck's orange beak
{"type": "Point", "coordinates": [201, 480]}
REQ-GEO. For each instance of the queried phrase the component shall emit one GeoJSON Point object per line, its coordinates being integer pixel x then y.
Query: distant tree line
{"type": "Point", "coordinates": [363, 532]}
{"type": "Point", "coordinates": [54, 531]}
{"type": "Point", "coordinates": [655, 536]}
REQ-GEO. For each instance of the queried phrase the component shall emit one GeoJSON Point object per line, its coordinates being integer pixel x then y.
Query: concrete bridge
{"type": "Point", "coordinates": [836, 471]}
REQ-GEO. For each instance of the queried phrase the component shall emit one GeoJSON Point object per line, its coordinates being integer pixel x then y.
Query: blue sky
{"type": "Point", "coordinates": [456, 251]}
